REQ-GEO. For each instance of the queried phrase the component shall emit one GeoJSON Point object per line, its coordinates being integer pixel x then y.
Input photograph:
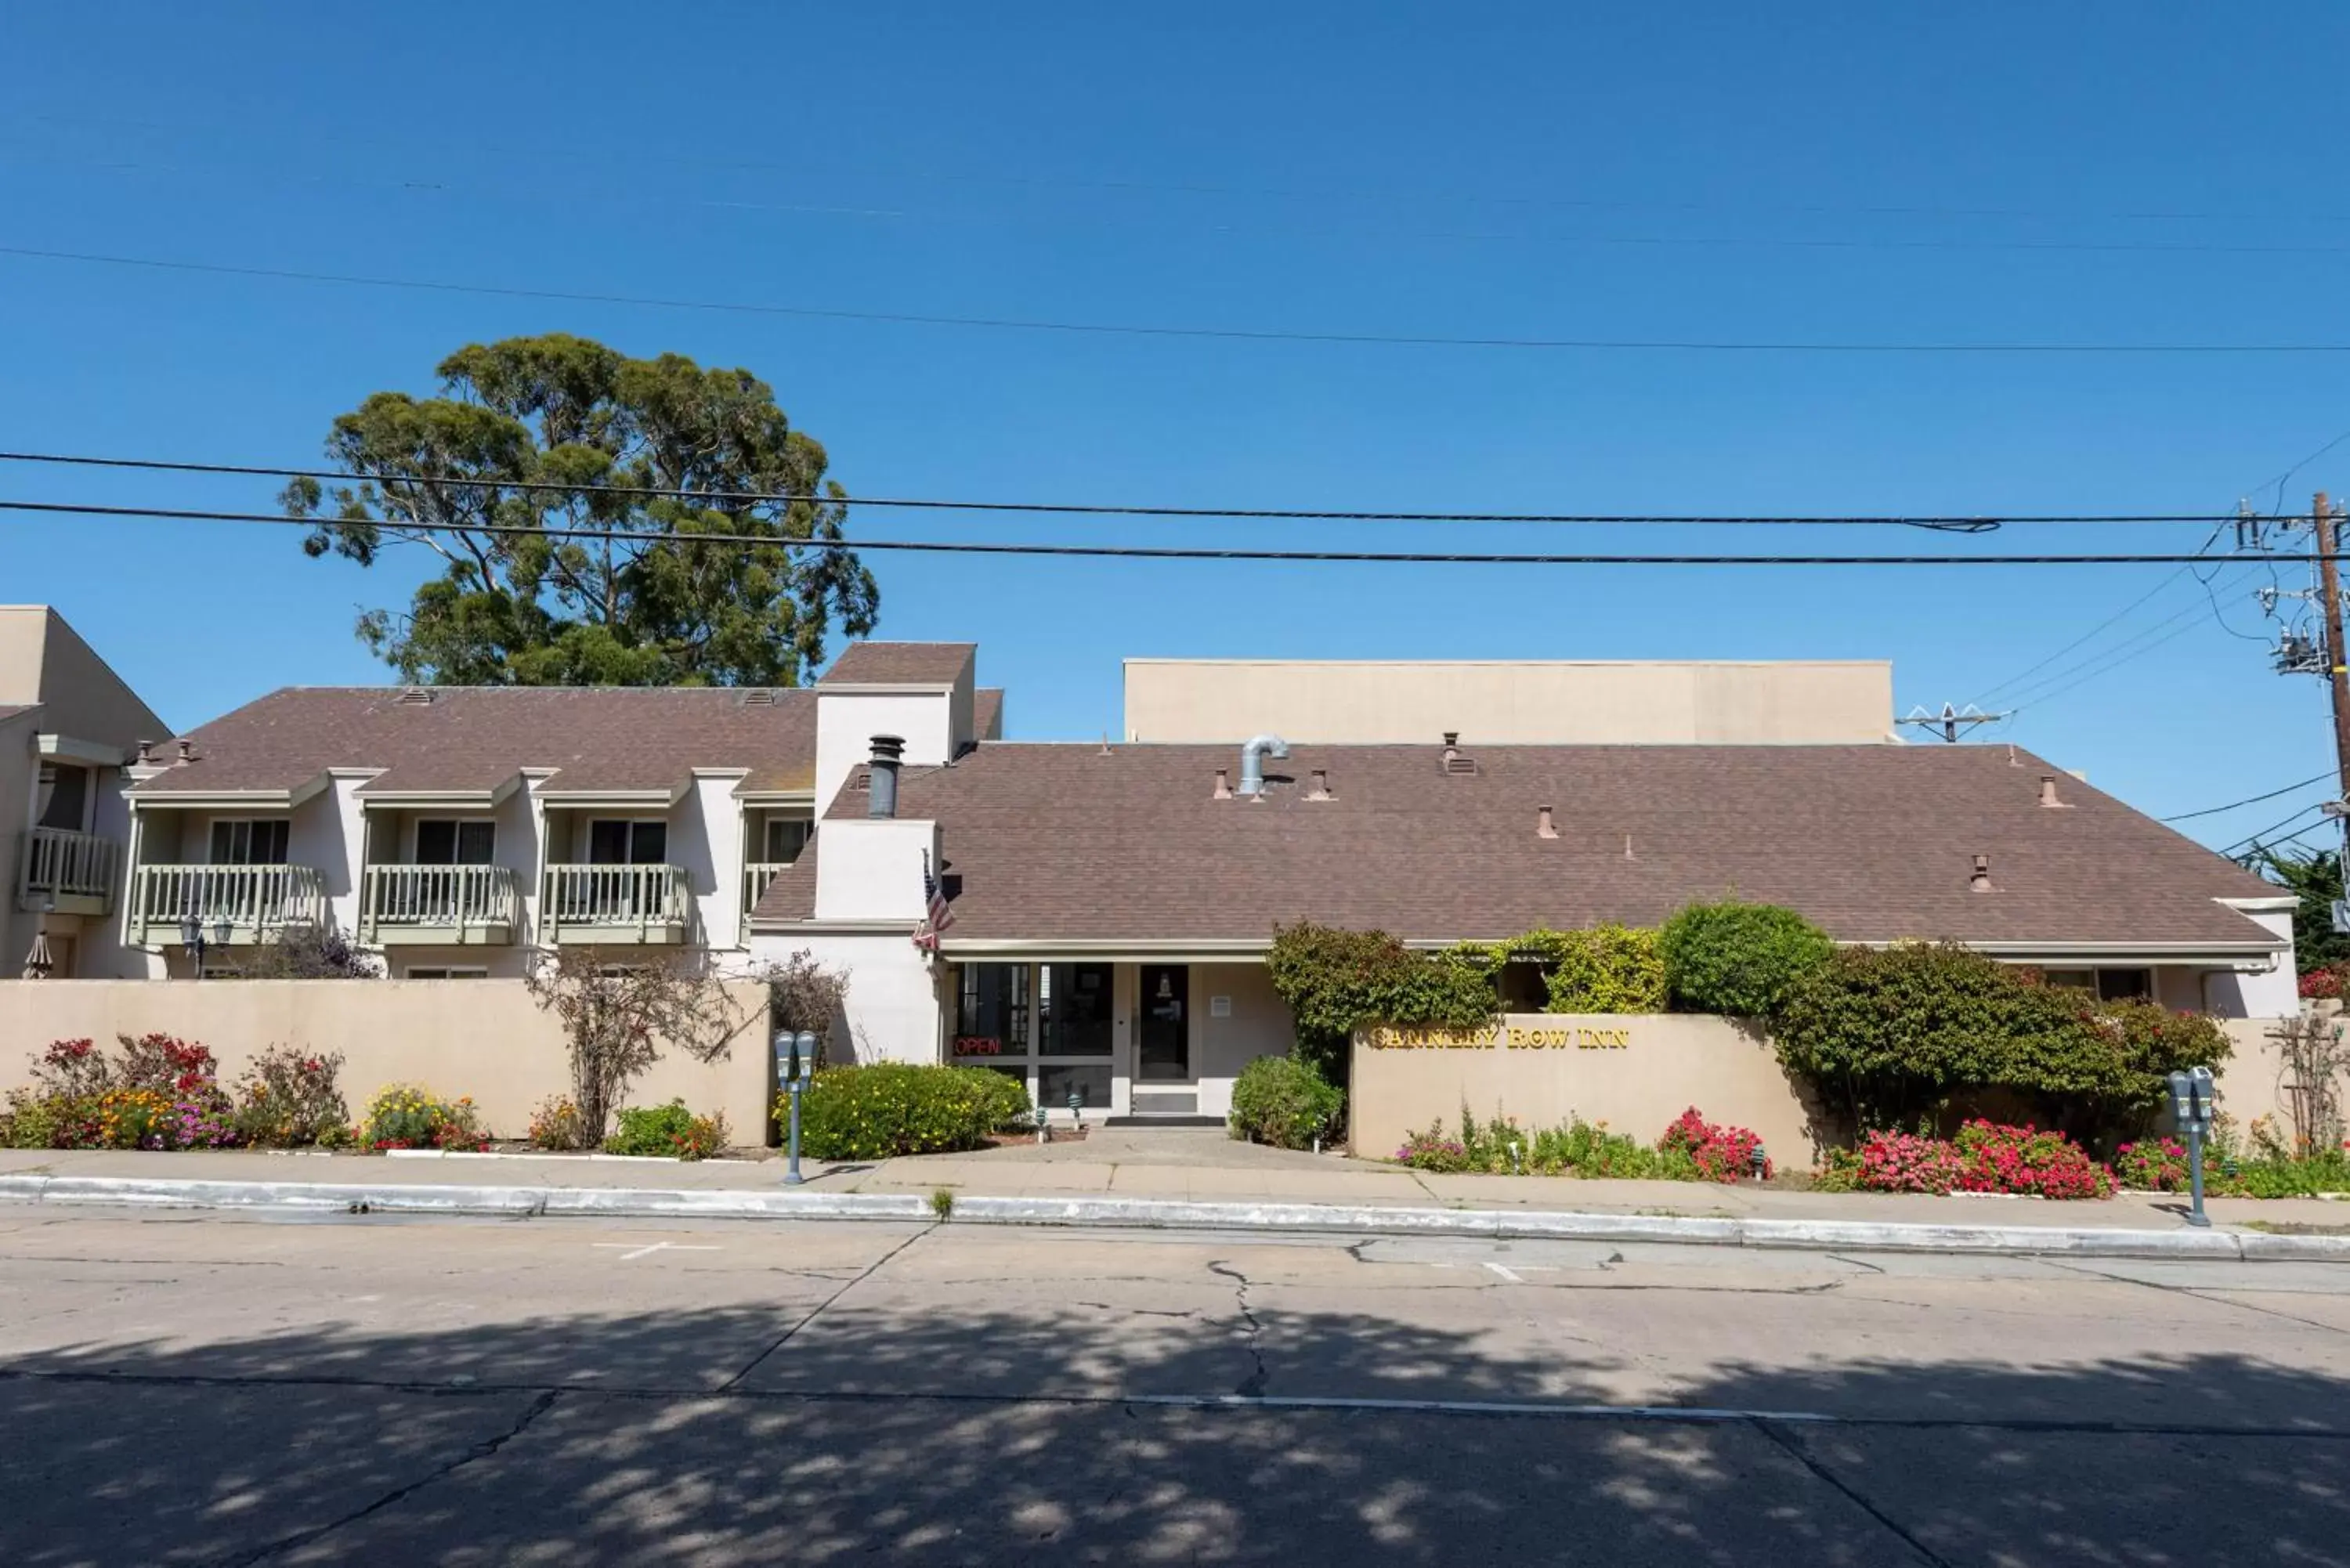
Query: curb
{"type": "Point", "coordinates": [1157, 1214]}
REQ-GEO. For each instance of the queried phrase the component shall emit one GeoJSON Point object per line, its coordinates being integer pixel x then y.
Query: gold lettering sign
{"type": "Point", "coordinates": [1564, 1037]}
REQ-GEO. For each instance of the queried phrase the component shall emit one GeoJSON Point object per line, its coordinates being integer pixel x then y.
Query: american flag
{"type": "Point", "coordinates": [935, 916]}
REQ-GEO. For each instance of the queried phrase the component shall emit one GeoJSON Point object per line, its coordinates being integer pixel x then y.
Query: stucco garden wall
{"type": "Point", "coordinates": [484, 1038]}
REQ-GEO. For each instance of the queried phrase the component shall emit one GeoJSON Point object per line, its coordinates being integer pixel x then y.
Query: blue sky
{"type": "Point", "coordinates": [2121, 172]}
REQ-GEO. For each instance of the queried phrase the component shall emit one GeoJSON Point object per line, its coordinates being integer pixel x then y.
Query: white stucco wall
{"type": "Point", "coordinates": [2271, 993]}
{"type": "Point", "coordinates": [893, 1010]}
{"type": "Point", "coordinates": [871, 868]}
{"type": "Point", "coordinates": [847, 722]}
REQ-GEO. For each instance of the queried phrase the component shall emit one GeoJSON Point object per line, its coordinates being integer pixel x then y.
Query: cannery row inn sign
{"type": "Point", "coordinates": [1503, 1037]}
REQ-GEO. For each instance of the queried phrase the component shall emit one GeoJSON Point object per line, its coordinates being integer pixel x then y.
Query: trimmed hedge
{"type": "Point", "coordinates": [892, 1108]}
{"type": "Point", "coordinates": [1284, 1102]}
{"type": "Point", "coordinates": [1741, 960]}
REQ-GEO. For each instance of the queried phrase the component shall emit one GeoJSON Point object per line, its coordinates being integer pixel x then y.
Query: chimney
{"type": "Point", "coordinates": [1980, 881]}
{"type": "Point", "coordinates": [881, 790]}
{"type": "Point", "coordinates": [1223, 784]}
{"type": "Point", "coordinates": [1321, 787]}
{"type": "Point", "coordinates": [187, 750]}
{"type": "Point", "coordinates": [1544, 826]}
{"type": "Point", "coordinates": [2048, 798]}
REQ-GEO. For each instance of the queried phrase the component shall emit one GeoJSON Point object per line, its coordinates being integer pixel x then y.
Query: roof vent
{"type": "Point", "coordinates": [1320, 790]}
{"type": "Point", "coordinates": [1544, 826]}
{"type": "Point", "coordinates": [415, 697]}
{"type": "Point", "coordinates": [1627, 848]}
{"type": "Point", "coordinates": [1223, 790]}
{"type": "Point", "coordinates": [759, 697]}
{"type": "Point", "coordinates": [187, 750]}
{"type": "Point", "coordinates": [1980, 881]}
{"type": "Point", "coordinates": [2048, 797]}
{"type": "Point", "coordinates": [146, 750]}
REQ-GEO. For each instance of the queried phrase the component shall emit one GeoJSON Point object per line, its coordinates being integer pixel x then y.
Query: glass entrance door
{"type": "Point", "coordinates": [1163, 1025]}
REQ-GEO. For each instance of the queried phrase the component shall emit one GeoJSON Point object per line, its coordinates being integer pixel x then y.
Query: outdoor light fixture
{"type": "Point", "coordinates": [1166, 987]}
{"type": "Point", "coordinates": [192, 941]}
{"type": "Point", "coordinates": [1076, 1106]}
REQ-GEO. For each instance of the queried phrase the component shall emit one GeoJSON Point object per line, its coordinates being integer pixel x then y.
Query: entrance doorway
{"type": "Point", "coordinates": [1163, 1025]}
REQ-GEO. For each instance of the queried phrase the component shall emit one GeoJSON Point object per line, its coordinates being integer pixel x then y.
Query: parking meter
{"type": "Point", "coordinates": [2193, 1106]}
{"type": "Point", "coordinates": [795, 1066]}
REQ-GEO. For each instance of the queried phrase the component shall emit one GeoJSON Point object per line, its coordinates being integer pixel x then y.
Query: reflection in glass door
{"type": "Point", "coordinates": [1163, 1025]}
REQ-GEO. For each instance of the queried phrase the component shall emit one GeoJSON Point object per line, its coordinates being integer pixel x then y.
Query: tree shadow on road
{"type": "Point", "coordinates": [901, 1435]}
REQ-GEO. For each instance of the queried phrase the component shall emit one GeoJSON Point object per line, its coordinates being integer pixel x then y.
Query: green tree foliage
{"type": "Point", "coordinates": [1337, 981]}
{"type": "Point", "coordinates": [1894, 1035]}
{"type": "Point", "coordinates": [2316, 880]}
{"type": "Point", "coordinates": [1737, 959]}
{"type": "Point", "coordinates": [641, 600]}
{"type": "Point", "coordinates": [1607, 969]}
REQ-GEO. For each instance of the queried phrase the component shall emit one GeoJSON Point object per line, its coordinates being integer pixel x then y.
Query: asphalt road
{"type": "Point", "coordinates": [204, 1389]}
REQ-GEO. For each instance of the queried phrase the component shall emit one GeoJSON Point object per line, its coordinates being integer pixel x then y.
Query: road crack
{"type": "Point", "coordinates": [864, 1274]}
{"type": "Point", "coordinates": [474, 1455]}
{"type": "Point", "coordinates": [1252, 1386]}
{"type": "Point", "coordinates": [1795, 1451]}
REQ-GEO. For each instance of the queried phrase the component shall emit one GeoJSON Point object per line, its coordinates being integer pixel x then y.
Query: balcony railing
{"type": "Point", "coordinates": [437, 903]}
{"type": "Point", "coordinates": [255, 903]}
{"type": "Point", "coordinates": [616, 904]}
{"type": "Point", "coordinates": [72, 871]}
{"type": "Point", "coordinates": [755, 878]}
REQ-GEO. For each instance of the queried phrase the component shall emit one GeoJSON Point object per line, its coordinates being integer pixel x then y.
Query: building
{"type": "Point", "coordinates": [1106, 908]}
{"type": "Point", "coordinates": [1510, 701]}
{"type": "Point", "coordinates": [455, 828]}
{"type": "Point", "coordinates": [68, 726]}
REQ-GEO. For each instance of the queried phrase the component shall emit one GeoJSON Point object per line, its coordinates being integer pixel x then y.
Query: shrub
{"type": "Point", "coordinates": [1284, 1101]}
{"type": "Point", "coordinates": [1890, 1032]}
{"type": "Point", "coordinates": [164, 1064]}
{"type": "Point", "coordinates": [1336, 981]}
{"type": "Point", "coordinates": [1983, 1157]}
{"type": "Point", "coordinates": [287, 1096]}
{"type": "Point", "coordinates": [1431, 1150]}
{"type": "Point", "coordinates": [892, 1108]}
{"type": "Point", "coordinates": [556, 1124]}
{"type": "Point", "coordinates": [1720, 1153]}
{"type": "Point", "coordinates": [2322, 984]}
{"type": "Point", "coordinates": [409, 1115]}
{"type": "Point", "coordinates": [1606, 968]}
{"type": "Point", "coordinates": [1579, 1149]}
{"type": "Point", "coordinates": [72, 1069]}
{"type": "Point", "coordinates": [1585, 1150]}
{"type": "Point", "coordinates": [2155, 1166]}
{"type": "Point", "coordinates": [668, 1129]}
{"type": "Point", "coordinates": [309, 952]}
{"type": "Point", "coordinates": [1742, 959]}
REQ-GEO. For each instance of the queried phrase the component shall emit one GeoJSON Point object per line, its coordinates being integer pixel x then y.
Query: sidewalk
{"type": "Point", "coordinates": [1173, 1178]}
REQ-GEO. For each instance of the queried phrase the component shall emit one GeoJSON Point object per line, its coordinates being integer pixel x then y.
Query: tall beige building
{"type": "Point", "coordinates": [1526, 702]}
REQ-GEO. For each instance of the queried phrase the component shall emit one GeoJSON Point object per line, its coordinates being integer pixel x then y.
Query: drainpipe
{"type": "Point", "coordinates": [1252, 755]}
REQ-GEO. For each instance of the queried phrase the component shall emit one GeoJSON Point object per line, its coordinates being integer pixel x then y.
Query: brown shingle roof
{"type": "Point", "coordinates": [478, 738]}
{"type": "Point", "coordinates": [899, 664]}
{"type": "Point", "coordinates": [1875, 843]}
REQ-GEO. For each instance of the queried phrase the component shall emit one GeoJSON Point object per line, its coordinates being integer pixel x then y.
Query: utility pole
{"type": "Point", "coordinates": [1951, 721]}
{"type": "Point", "coordinates": [2337, 669]}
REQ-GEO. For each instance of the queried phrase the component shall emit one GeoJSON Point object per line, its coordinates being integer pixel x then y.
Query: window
{"type": "Point", "coordinates": [2124, 984]}
{"type": "Point", "coordinates": [64, 797]}
{"type": "Point", "coordinates": [446, 971]}
{"type": "Point", "coordinates": [991, 1009]}
{"type": "Point", "coordinates": [255, 842]}
{"type": "Point", "coordinates": [1074, 1007]}
{"type": "Point", "coordinates": [617, 842]}
{"type": "Point", "coordinates": [786, 836]}
{"type": "Point", "coordinates": [2071, 979]}
{"type": "Point", "coordinates": [442, 841]}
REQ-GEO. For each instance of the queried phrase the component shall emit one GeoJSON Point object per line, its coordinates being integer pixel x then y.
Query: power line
{"type": "Point", "coordinates": [2251, 839]}
{"type": "Point", "coordinates": [2250, 799]}
{"type": "Point", "coordinates": [2013, 679]}
{"type": "Point", "coordinates": [452, 481]}
{"type": "Point", "coordinates": [1227, 334]}
{"type": "Point", "coordinates": [1129, 552]}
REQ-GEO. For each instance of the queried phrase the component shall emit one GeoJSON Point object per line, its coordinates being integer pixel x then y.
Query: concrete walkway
{"type": "Point", "coordinates": [1184, 1165]}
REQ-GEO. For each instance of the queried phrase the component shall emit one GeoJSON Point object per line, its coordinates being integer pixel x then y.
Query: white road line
{"type": "Point", "coordinates": [656, 1247]}
{"type": "Point", "coordinates": [1515, 1279]}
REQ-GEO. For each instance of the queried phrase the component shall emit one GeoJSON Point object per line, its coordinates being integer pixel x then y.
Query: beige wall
{"type": "Point", "coordinates": [1667, 1063]}
{"type": "Point", "coordinates": [1257, 1025]}
{"type": "Point", "coordinates": [43, 659]}
{"type": "Point", "coordinates": [1498, 703]}
{"type": "Point", "coordinates": [479, 1038]}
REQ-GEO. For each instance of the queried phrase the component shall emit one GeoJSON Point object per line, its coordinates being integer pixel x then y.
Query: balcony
{"type": "Point", "coordinates": [593, 904]}
{"type": "Point", "coordinates": [254, 903]}
{"type": "Point", "coordinates": [71, 873]}
{"type": "Point", "coordinates": [441, 904]}
{"type": "Point", "coordinates": [755, 878]}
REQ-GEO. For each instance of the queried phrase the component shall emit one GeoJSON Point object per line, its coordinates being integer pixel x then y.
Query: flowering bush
{"type": "Point", "coordinates": [2322, 984]}
{"type": "Point", "coordinates": [289, 1096]}
{"type": "Point", "coordinates": [409, 1115]}
{"type": "Point", "coordinates": [1720, 1153]}
{"type": "Point", "coordinates": [668, 1129]}
{"type": "Point", "coordinates": [1983, 1157]}
{"type": "Point", "coordinates": [1431, 1150]}
{"type": "Point", "coordinates": [2156, 1164]}
{"type": "Point", "coordinates": [73, 1070]}
{"type": "Point", "coordinates": [165, 1064]}
{"type": "Point", "coordinates": [557, 1125]}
